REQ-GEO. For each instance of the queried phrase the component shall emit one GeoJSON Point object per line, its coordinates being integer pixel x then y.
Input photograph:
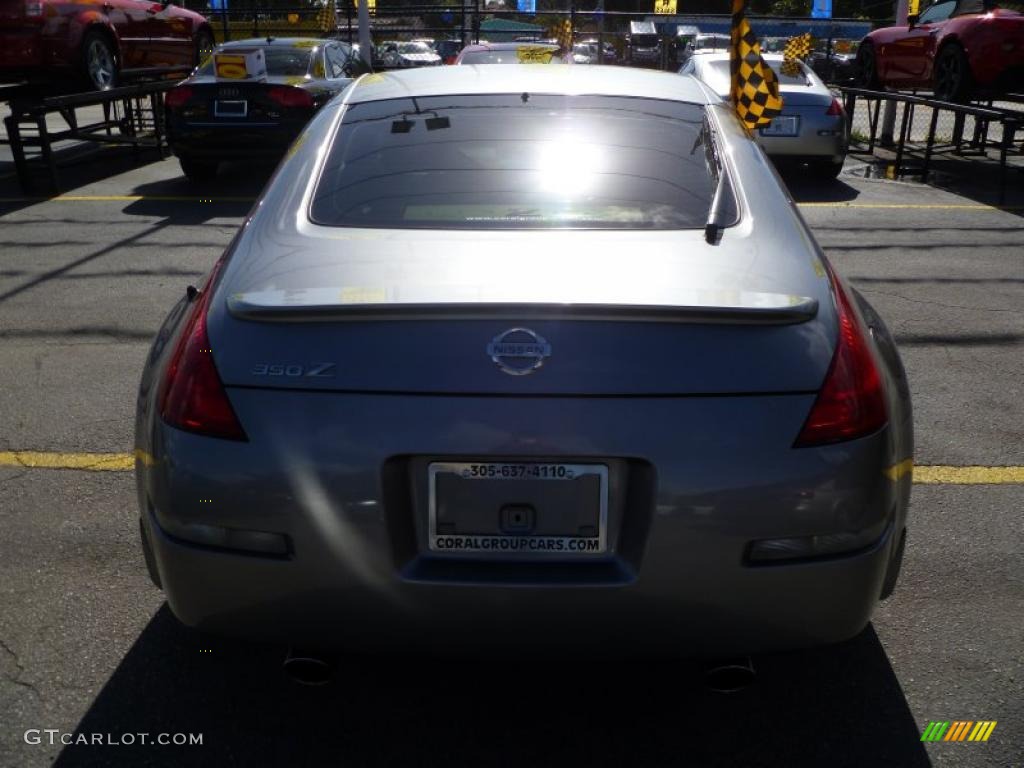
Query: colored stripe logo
{"type": "Point", "coordinates": [958, 730]}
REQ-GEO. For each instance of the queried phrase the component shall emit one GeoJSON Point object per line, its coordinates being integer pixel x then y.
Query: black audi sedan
{"type": "Point", "coordinates": [251, 98]}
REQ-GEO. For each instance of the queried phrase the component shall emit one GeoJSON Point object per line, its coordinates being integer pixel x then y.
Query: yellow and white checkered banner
{"type": "Point", "coordinates": [327, 19]}
{"type": "Point", "coordinates": [755, 89]}
{"type": "Point", "coordinates": [797, 48]}
{"type": "Point", "coordinates": [562, 32]}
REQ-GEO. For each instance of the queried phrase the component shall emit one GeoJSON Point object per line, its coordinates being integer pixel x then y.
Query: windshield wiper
{"type": "Point", "coordinates": [716, 215]}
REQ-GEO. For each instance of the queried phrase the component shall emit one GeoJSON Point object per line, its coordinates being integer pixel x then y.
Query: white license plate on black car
{"type": "Point", "coordinates": [223, 108]}
{"type": "Point", "coordinates": [784, 125]}
{"type": "Point", "coordinates": [520, 509]}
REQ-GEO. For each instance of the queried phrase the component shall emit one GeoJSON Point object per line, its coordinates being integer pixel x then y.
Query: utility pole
{"type": "Point", "coordinates": [365, 44]}
{"type": "Point", "coordinates": [889, 116]}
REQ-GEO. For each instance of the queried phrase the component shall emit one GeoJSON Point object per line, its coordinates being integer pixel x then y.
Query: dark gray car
{"type": "Point", "coordinates": [529, 356]}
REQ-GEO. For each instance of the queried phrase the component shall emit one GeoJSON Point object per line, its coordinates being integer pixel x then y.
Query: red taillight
{"type": "Point", "coordinates": [835, 109]}
{"type": "Point", "coordinates": [851, 402]}
{"type": "Point", "coordinates": [287, 96]}
{"type": "Point", "coordinates": [177, 97]}
{"type": "Point", "coordinates": [192, 396]}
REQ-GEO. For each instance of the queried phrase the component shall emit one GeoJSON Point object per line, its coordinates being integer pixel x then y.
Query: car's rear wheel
{"type": "Point", "coordinates": [198, 170]}
{"type": "Point", "coordinates": [99, 59]}
{"type": "Point", "coordinates": [953, 81]}
{"type": "Point", "coordinates": [867, 67]}
{"type": "Point", "coordinates": [825, 169]}
{"type": "Point", "coordinates": [205, 44]}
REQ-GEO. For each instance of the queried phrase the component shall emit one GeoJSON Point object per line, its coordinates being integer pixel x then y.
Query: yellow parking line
{"type": "Point", "coordinates": [939, 475]}
{"type": "Point", "coordinates": [917, 206]}
{"type": "Point", "coordinates": [95, 462]}
{"type": "Point", "coordinates": [930, 474]}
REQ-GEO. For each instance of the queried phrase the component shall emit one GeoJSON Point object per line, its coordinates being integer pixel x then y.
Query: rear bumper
{"type": "Point", "coordinates": [344, 483]}
{"type": "Point", "coordinates": [821, 138]}
{"type": "Point", "coordinates": [232, 142]}
{"type": "Point", "coordinates": [321, 603]}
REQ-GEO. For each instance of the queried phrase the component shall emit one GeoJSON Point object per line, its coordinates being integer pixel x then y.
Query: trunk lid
{"type": "Point", "coordinates": [605, 313]}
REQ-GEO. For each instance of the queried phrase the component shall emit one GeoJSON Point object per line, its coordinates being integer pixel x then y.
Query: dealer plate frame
{"type": "Point", "coordinates": [774, 129]}
{"type": "Point", "coordinates": [560, 551]}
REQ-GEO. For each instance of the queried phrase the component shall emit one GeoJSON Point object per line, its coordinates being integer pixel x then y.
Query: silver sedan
{"type": "Point", "coordinates": [527, 356]}
{"type": "Point", "coordinates": [812, 128]}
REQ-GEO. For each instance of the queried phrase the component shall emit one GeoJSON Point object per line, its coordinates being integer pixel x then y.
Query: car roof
{"type": "Point", "coordinates": [282, 42]}
{"type": "Point", "coordinates": [515, 78]}
{"type": "Point", "coordinates": [724, 56]}
{"type": "Point", "coordinates": [509, 46]}
{"type": "Point", "coordinates": [720, 81]}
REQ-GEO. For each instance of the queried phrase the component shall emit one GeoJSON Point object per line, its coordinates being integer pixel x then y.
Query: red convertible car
{"type": "Point", "coordinates": [98, 41]}
{"type": "Point", "coordinates": [958, 48]}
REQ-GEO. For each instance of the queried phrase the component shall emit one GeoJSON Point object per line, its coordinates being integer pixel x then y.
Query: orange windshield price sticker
{"type": "Point", "coordinates": [240, 65]}
{"type": "Point", "coordinates": [230, 66]}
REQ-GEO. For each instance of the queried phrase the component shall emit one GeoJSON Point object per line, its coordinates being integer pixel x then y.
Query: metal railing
{"type": "Point", "coordinates": [132, 116]}
{"type": "Point", "coordinates": [914, 157]}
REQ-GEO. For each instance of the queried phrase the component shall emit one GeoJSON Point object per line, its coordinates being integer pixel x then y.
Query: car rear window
{"type": "Point", "coordinates": [526, 54]}
{"type": "Point", "coordinates": [801, 79]}
{"type": "Point", "coordinates": [414, 48]}
{"type": "Point", "coordinates": [515, 161]}
{"type": "Point", "coordinates": [281, 60]}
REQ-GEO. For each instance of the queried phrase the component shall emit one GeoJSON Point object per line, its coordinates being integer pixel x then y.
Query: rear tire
{"type": "Point", "coordinates": [952, 75]}
{"type": "Point", "coordinates": [198, 170]}
{"type": "Point", "coordinates": [149, 557]}
{"type": "Point", "coordinates": [867, 67]}
{"type": "Point", "coordinates": [100, 65]}
{"type": "Point", "coordinates": [825, 170]}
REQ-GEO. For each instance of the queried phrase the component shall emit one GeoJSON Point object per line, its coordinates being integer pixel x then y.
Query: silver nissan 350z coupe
{"type": "Point", "coordinates": [531, 355]}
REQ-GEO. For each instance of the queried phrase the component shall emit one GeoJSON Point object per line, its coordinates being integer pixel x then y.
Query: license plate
{"type": "Point", "coordinates": [230, 108]}
{"type": "Point", "coordinates": [530, 509]}
{"type": "Point", "coordinates": [784, 125]}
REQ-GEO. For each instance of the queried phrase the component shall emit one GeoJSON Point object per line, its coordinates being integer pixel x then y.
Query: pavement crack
{"type": "Point", "coordinates": [23, 684]}
{"type": "Point", "coordinates": [934, 303]}
{"type": "Point", "coordinates": [16, 679]}
{"type": "Point", "coordinates": [12, 654]}
{"type": "Point", "coordinates": [15, 476]}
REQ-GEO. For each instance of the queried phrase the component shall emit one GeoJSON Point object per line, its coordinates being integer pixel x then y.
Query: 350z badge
{"type": "Point", "coordinates": [295, 370]}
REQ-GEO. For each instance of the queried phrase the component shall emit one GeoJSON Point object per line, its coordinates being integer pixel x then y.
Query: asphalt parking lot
{"type": "Point", "coordinates": [88, 647]}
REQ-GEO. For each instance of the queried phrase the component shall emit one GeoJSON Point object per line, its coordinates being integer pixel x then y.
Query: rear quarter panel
{"type": "Point", "coordinates": [982, 38]}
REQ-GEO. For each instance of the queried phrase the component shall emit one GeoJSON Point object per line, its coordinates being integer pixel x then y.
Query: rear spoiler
{"type": "Point", "coordinates": [314, 305]}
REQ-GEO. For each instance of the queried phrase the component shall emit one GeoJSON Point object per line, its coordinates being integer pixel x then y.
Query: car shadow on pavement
{"type": "Point", "coordinates": [836, 706]}
{"type": "Point", "coordinates": [234, 182]}
{"type": "Point", "coordinates": [78, 165]}
{"type": "Point", "coordinates": [83, 169]}
{"type": "Point", "coordinates": [808, 189]}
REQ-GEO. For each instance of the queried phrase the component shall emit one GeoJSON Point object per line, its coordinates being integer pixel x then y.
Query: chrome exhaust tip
{"type": "Point", "coordinates": [306, 668]}
{"type": "Point", "coordinates": [729, 676]}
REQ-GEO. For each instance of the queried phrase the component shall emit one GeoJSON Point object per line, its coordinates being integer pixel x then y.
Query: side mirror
{"type": "Point", "coordinates": [912, 20]}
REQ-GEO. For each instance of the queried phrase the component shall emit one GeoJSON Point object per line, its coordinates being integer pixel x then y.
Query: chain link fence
{"type": "Point", "coordinates": [599, 38]}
